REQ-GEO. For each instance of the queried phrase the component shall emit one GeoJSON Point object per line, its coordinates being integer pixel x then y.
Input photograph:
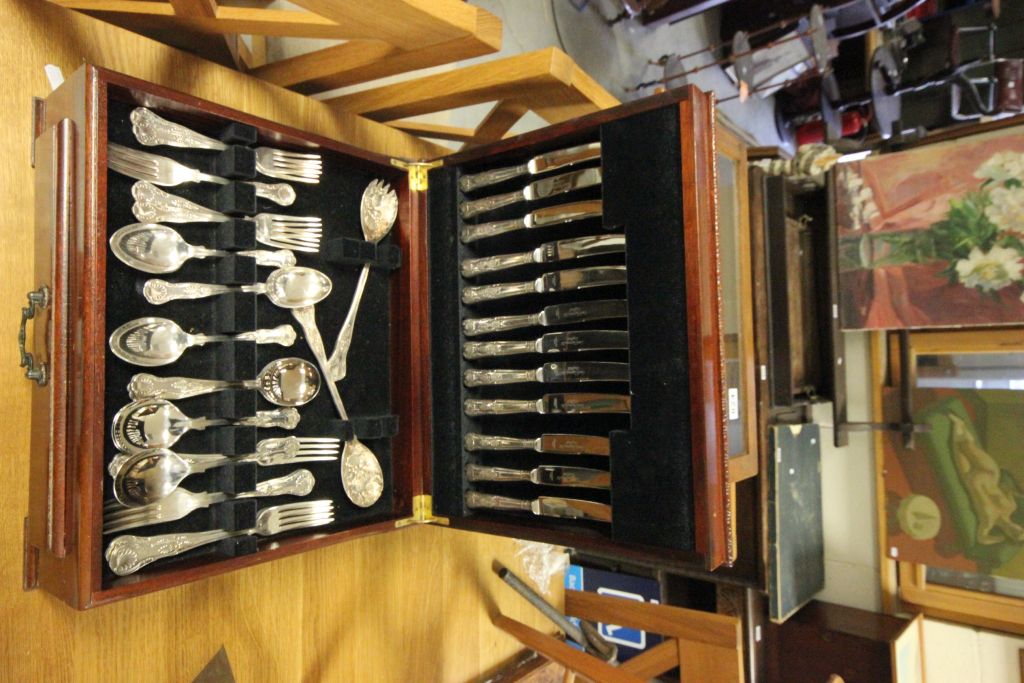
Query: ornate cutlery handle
{"type": "Point", "coordinates": [477, 378]}
{"type": "Point", "coordinates": [468, 183]}
{"type": "Point", "coordinates": [153, 205]}
{"type": "Point", "coordinates": [476, 206]}
{"type": "Point", "coordinates": [152, 130]}
{"type": "Point", "coordinates": [159, 292]}
{"type": "Point", "coordinates": [128, 554]}
{"type": "Point", "coordinates": [475, 499]}
{"type": "Point", "coordinates": [281, 194]}
{"type": "Point", "coordinates": [483, 442]}
{"type": "Point", "coordinates": [472, 233]}
{"type": "Point", "coordinates": [474, 350]}
{"type": "Point", "coordinates": [282, 334]}
{"type": "Point", "coordinates": [337, 362]}
{"type": "Point", "coordinates": [475, 266]}
{"type": "Point", "coordinates": [503, 290]}
{"type": "Point", "coordinates": [306, 317]}
{"type": "Point", "coordinates": [281, 258]}
{"type": "Point", "coordinates": [282, 418]}
{"type": "Point", "coordinates": [475, 406]}
{"type": "Point", "coordinates": [475, 326]}
{"type": "Point", "coordinates": [298, 483]}
{"type": "Point", "coordinates": [145, 385]}
{"type": "Point", "coordinates": [482, 473]}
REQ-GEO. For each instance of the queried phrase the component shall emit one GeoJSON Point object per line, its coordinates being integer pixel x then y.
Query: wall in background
{"type": "Point", "coordinates": [961, 654]}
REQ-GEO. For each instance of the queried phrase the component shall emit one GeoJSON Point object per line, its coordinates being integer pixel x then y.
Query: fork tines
{"type": "Point", "coordinates": [296, 166]}
{"type": "Point", "coordinates": [299, 515]}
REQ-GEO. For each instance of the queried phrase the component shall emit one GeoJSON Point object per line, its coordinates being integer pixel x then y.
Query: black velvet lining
{"type": "Point", "coordinates": [367, 388]}
{"type": "Point", "coordinates": [650, 465]}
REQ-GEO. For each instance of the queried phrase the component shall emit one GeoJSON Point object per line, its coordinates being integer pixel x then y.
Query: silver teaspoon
{"type": "Point", "coordinates": [158, 341]}
{"type": "Point", "coordinates": [156, 423]}
{"type": "Point", "coordinates": [155, 248]}
{"type": "Point", "coordinates": [290, 287]}
{"type": "Point", "coordinates": [283, 382]}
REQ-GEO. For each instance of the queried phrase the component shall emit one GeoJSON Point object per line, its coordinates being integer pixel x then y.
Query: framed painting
{"type": "Point", "coordinates": [933, 236]}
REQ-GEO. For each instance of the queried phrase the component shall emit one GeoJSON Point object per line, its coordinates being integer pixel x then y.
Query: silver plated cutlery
{"type": "Point", "coordinates": [182, 502]}
{"type": "Point", "coordinates": [566, 444]}
{"type": "Point", "coordinates": [549, 252]}
{"type": "Point", "coordinates": [158, 249]}
{"type": "Point", "coordinates": [539, 189]}
{"type": "Point", "coordinates": [151, 342]}
{"type": "Point", "coordinates": [289, 287]}
{"type": "Point", "coordinates": [547, 506]}
{"type": "Point", "coordinates": [552, 342]}
{"type": "Point", "coordinates": [298, 233]}
{"type": "Point", "coordinates": [556, 314]}
{"type": "Point", "coordinates": [158, 423]}
{"type": "Point", "coordinates": [284, 382]}
{"type": "Point", "coordinates": [539, 218]}
{"type": "Point", "coordinates": [168, 173]}
{"type": "Point", "coordinates": [550, 404]}
{"type": "Point", "coordinates": [151, 129]}
{"type": "Point", "coordinates": [541, 163]}
{"type": "Point", "coordinates": [543, 475]}
{"type": "Point", "coordinates": [128, 554]}
{"type": "Point", "coordinates": [557, 281]}
{"type": "Point", "coordinates": [550, 373]}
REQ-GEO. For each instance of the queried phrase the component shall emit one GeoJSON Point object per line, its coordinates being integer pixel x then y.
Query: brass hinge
{"type": "Point", "coordinates": [422, 512]}
{"type": "Point", "coordinates": [417, 171]}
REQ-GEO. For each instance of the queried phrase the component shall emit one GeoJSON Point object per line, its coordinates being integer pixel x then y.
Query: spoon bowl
{"type": "Point", "coordinates": [149, 476]}
{"type": "Point", "coordinates": [289, 382]}
{"type": "Point", "coordinates": [297, 287]}
{"type": "Point", "coordinates": [154, 248]}
{"type": "Point", "coordinates": [361, 474]}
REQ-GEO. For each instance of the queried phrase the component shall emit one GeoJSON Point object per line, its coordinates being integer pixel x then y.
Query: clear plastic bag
{"type": "Point", "coordinates": [540, 562]}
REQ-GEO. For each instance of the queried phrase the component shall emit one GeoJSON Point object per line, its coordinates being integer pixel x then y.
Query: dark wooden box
{"type": "Point", "coordinates": [668, 456]}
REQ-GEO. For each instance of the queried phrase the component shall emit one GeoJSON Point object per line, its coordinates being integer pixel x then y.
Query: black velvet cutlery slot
{"type": "Point", "coordinates": [366, 390]}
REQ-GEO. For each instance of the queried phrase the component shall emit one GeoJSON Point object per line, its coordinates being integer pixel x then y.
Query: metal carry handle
{"type": "Point", "coordinates": [38, 372]}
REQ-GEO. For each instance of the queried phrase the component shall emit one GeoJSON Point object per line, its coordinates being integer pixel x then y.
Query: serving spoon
{"type": "Point", "coordinates": [156, 423]}
{"type": "Point", "coordinates": [155, 248]}
{"type": "Point", "coordinates": [284, 382]}
{"type": "Point", "coordinates": [150, 342]}
{"type": "Point", "coordinates": [288, 287]}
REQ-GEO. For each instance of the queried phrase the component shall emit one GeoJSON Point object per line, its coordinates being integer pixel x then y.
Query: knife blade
{"type": "Point", "coordinates": [541, 218]}
{"type": "Point", "coordinates": [549, 252]}
{"type": "Point", "coordinates": [543, 475]}
{"type": "Point", "coordinates": [541, 163]}
{"type": "Point", "coordinates": [557, 281]}
{"type": "Point", "coordinates": [552, 342]}
{"type": "Point", "coordinates": [547, 506]}
{"type": "Point", "coordinates": [538, 189]}
{"type": "Point", "coordinates": [550, 373]}
{"type": "Point", "coordinates": [556, 314]}
{"type": "Point", "coordinates": [566, 444]}
{"type": "Point", "coordinates": [550, 404]}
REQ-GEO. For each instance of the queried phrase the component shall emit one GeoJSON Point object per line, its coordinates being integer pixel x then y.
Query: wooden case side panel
{"type": "Point", "coordinates": [707, 389]}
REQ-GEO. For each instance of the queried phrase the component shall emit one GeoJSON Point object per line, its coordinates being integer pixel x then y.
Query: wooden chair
{"type": "Point", "coordinates": [707, 648]}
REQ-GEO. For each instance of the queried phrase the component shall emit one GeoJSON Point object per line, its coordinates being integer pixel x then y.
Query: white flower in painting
{"type": "Point", "coordinates": [1002, 166]}
{"type": "Point", "coordinates": [1006, 209]}
{"type": "Point", "coordinates": [1000, 267]}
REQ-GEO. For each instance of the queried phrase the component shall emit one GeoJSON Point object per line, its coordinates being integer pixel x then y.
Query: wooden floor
{"type": "Point", "coordinates": [412, 605]}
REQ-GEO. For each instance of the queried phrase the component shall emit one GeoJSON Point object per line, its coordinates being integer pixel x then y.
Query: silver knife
{"type": "Point", "coordinates": [548, 506]}
{"type": "Point", "coordinates": [550, 215]}
{"type": "Point", "coordinates": [557, 314]}
{"type": "Point", "coordinates": [549, 252]}
{"type": "Point", "coordinates": [552, 342]}
{"type": "Point", "coordinates": [538, 189]}
{"type": "Point", "coordinates": [558, 281]}
{"type": "Point", "coordinates": [566, 444]}
{"type": "Point", "coordinates": [551, 161]}
{"type": "Point", "coordinates": [546, 475]}
{"type": "Point", "coordinates": [550, 404]}
{"type": "Point", "coordinates": [551, 373]}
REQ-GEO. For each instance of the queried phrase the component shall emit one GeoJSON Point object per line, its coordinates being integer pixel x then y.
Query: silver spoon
{"type": "Point", "coordinates": [156, 423]}
{"type": "Point", "coordinates": [155, 248]}
{"type": "Point", "coordinates": [289, 287]}
{"type": "Point", "coordinates": [378, 210]}
{"type": "Point", "coordinates": [283, 382]}
{"type": "Point", "coordinates": [158, 341]}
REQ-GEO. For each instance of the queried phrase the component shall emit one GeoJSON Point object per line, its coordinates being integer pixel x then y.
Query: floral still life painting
{"type": "Point", "coordinates": [933, 236]}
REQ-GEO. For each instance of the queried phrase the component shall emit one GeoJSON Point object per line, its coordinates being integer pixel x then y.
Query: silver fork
{"type": "Point", "coordinates": [128, 554]}
{"type": "Point", "coordinates": [182, 502]}
{"type": "Point", "coordinates": [298, 233]}
{"type": "Point", "coordinates": [168, 172]}
{"type": "Point", "coordinates": [151, 129]}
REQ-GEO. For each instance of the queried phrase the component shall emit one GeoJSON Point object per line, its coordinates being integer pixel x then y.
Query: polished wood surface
{"type": "Point", "coordinates": [412, 605]}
